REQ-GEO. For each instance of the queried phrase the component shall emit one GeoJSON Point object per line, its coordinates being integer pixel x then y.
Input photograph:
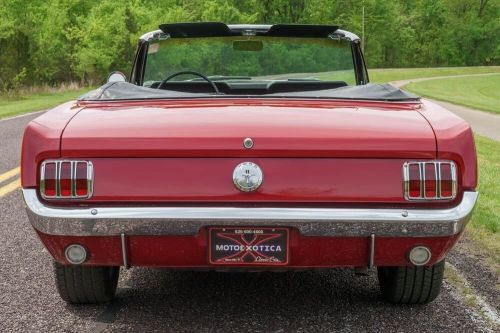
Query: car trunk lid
{"type": "Point", "coordinates": [219, 131]}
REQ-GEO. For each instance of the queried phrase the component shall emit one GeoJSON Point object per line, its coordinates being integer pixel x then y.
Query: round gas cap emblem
{"type": "Point", "coordinates": [247, 176]}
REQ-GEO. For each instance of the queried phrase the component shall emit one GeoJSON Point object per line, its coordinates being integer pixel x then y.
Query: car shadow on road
{"type": "Point", "coordinates": [150, 299]}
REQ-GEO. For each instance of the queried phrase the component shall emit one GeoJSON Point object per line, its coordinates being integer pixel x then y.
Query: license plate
{"type": "Point", "coordinates": [248, 246]}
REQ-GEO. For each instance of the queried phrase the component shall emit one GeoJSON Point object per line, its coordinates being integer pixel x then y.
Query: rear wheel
{"type": "Point", "coordinates": [86, 284]}
{"type": "Point", "coordinates": [411, 285]}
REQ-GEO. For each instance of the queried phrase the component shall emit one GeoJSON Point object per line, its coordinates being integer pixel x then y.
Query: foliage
{"type": "Point", "coordinates": [277, 56]}
{"type": "Point", "coordinates": [53, 41]}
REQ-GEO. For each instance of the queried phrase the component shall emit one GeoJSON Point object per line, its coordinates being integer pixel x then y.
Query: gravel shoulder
{"type": "Point", "coordinates": [472, 262]}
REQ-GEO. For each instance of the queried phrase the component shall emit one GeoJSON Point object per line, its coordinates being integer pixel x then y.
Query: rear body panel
{"type": "Point", "coordinates": [192, 251]}
{"type": "Point", "coordinates": [329, 153]}
{"type": "Point", "coordinates": [308, 154]}
{"type": "Point", "coordinates": [286, 180]}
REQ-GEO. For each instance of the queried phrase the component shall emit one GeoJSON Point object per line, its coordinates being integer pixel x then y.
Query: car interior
{"type": "Point", "coordinates": [247, 87]}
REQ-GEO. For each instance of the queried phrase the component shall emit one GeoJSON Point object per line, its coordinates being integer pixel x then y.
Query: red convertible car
{"type": "Point", "coordinates": [249, 147]}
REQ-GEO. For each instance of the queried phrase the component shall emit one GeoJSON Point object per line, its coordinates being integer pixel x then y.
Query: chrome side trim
{"type": "Point", "coordinates": [437, 174]}
{"type": "Point", "coordinates": [371, 262]}
{"type": "Point", "coordinates": [113, 221]}
{"type": "Point", "coordinates": [454, 181]}
{"type": "Point", "coordinates": [90, 179]}
{"type": "Point", "coordinates": [73, 178]}
{"type": "Point", "coordinates": [422, 180]}
{"type": "Point", "coordinates": [124, 244]}
{"type": "Point", "coordinates": [42, 180]}
{"type": "Point", "coordinates": [58, 180]}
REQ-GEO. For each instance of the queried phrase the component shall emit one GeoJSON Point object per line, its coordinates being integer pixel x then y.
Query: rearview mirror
{"type": "Point", "coordinates": [248, 45]}
{"type": "Point", "coordinates": [117, 77]}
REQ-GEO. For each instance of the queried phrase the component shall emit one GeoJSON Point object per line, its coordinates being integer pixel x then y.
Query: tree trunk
{"type": "Point", "coordinates": [482, 5]}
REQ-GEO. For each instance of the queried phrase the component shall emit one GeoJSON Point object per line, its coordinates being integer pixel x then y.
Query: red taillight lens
{"type": "Point", "coordinates": [49, 179]}
{"type": "Point", "coordinates": [81, 180]}
{"type": "Point", "coordinates": [414, 181]}
{"type": "Point", "coordinates": [432, 180]}
{"type": "Point", "coordinates": [447, 180]}
{"type": "Point", "coordinates": [66, 180]}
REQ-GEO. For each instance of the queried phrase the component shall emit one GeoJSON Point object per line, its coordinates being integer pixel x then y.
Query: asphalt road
{"type": "Point", "coordinates": [174, 301]}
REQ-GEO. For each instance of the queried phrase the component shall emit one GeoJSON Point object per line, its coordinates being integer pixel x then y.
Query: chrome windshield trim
{"type": "Point", "coordinates": [157, 34]}
{"type": "Point", "coordinates": [148, 36]}
{"type": "Point", "coordinates": [334, 222]}
{"type": "Point", "coordinates": [349, 35]}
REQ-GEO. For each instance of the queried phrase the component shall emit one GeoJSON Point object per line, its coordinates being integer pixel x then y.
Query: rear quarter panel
{"type": "Point", "coordinates": [454, 141]}
{"type": "Point", "coordinates": [42, 140]}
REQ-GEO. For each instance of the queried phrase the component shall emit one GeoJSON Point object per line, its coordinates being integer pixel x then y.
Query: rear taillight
{"type": "Point", "coordinates": [66, 179]}
{"type": "Point", "coordinates": [430, 180]}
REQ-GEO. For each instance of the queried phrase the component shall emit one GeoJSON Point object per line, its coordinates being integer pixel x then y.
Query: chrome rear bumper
{"type": "Point", "coordinates": [333, 222]}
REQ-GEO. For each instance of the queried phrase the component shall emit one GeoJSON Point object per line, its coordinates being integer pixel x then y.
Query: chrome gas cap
{"type": "Point", "coordinates": [247, 176]}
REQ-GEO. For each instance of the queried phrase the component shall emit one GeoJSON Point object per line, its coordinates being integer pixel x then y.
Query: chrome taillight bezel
{"type": "Point", "coordinates": [437, 170]}
{"type": "Point", "coordinates": [74, 164]}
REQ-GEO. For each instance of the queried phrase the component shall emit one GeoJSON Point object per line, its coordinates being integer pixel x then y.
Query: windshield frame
{"type": "Point", "coordinates": [139, 65]}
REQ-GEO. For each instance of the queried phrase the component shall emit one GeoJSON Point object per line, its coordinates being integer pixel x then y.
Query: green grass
{"type": "Point", "coordinates": [484, 227]}
{"type": "Point", "coordinates": [10, 107]}
{"type": "Point", "coordinates": [342, 75]}
{"type": "Point", "coordinates": [383, 75]}
{"type": "Point", "coordinates": [487, 213]}
{"type": "Point", "coordinates": [479, 92]}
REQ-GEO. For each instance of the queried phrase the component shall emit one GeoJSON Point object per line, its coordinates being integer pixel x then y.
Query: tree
{"type": "Point", "coordinates": [52, 41]}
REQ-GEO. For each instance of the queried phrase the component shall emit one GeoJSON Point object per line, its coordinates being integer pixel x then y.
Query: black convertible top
{"type": "Point", "coordinates": [116, 91]}
{"type": "Point", "coordinates": [219, 29]}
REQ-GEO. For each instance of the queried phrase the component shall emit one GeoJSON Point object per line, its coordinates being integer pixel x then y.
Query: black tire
{"type": "Point", "coordinates": [411, 285]}
{"type": "Point", "coordinates": [86, 284]}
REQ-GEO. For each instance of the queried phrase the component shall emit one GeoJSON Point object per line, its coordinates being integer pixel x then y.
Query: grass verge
{"type": "Point", "coordinates": [485, 225]}
{"type": "Point", "coordinates": [10, 106]}
{"type": "Point", "coordinates": [34, 100]}
{"type": "Point", "coordinates": [452, 275]}
{"type": "Point", "coordinates": [479, 308]}
{"type": "Point", "coordinates": [479, 92]}
{"type": "Point", "coordinates": [382, 75]}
